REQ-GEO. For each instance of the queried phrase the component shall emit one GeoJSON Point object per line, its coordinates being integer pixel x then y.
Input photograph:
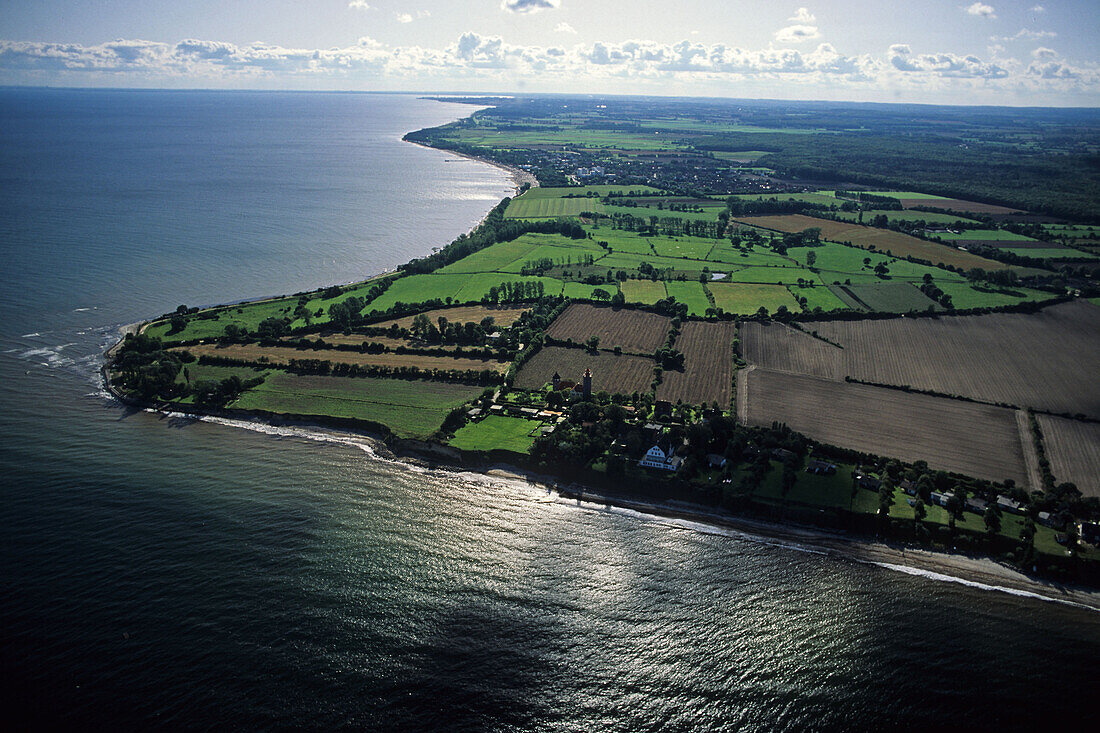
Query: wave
{"type": "Point", "coordinates": [941, 577]}
{"type": "Point", "coordinates": [545, 495]}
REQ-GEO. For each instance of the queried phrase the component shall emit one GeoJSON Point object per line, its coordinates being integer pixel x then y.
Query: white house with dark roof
{"type": "Point", "coordinates": [661, 456]}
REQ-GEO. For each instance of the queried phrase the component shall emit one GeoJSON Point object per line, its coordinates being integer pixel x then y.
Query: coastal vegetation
{"type": "Point", "coordinates": [901, 354]}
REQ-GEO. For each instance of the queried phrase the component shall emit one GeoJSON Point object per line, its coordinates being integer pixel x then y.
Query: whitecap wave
{"type": "Point", "coordinates": [941, 577]}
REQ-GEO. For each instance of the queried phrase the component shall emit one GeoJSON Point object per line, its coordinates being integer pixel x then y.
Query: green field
{"type": "Point", "coordinates": [693, 248]}
{"type": "Point", "coordinates": [647, 292]}
{"type": "Point", "coordinates": [777, 275]}
{"type": "Point", "coordinates": [818, 296]}
{"type": "Point", "coordinates": [690, 293]}
{"type": "Point", "coordinates": [746, 299]}
{"type": "Point", "coordinates": [891, 297]}
{"type": "Point", "coordinates": [410, 409]}
{"type": "Point", "coordinates": [583, 291]}
{"type": "Point", "coordinates": [841, 262]}
{"type": "Point", "coordinates": [964, 296]}
{"type": "Point", "coordinates": [1059, 253]}
{"type": "Point", "coordinates": [497, 432]}
{"type": "Point", "coordinates": [903, 194]}
{"type": "Point", "coordinates": [740, 155]}
{"type": "Point", "coordinates": [818, 197]}
{"type": "Point", "coordinates": [902, 215]}
{"type": "Point", "coordinates": [644, 212]}
{"type": "Point", "coordinates": [550, 208]}
{"type": "Point", "coordinates": [984, 235]}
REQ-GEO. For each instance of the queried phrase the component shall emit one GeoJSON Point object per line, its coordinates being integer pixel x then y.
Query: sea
{"type": "Point", "coordinates": [162, 571]}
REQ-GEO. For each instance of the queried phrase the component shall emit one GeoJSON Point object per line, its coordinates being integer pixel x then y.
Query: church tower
{"type": "Point", "coordinates": [587, 382]}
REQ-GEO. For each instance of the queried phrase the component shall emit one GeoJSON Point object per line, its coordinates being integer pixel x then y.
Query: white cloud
{"type": "Point", "coordinates": [409, 17]}
{"type": "Point", "coordinates": [529, 6]}
{"type": "Point", "coordinates": [359, 5]}
{"type": "Point", "coordinates": [903, 59]}
{"type": "Point", "coordinates": [474, 61]}
{"type": "Point", "coordinates": [1025, 34]}
{"type": "Point", "coordinates": [797, 34]}
{"type": "Point", "coordinates": [982, 10]}
{"type": "Point", "coordinates": [804, 16]}
{"type": "Point", "coordinates": [1038, 9]}
{"type": "Point", "coordinates": [564, 27]}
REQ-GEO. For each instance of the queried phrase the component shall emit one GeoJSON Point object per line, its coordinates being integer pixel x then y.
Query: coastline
{"type": "Point", "coordinates": [975, 571]}
{"type": "Point", "coordinates": [517, 175]}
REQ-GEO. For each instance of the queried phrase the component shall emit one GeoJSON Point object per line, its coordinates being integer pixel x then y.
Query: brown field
{"type": "Point", "coordinates": [637, 332]}
{"type": "Point", "coordinates": [1073, 448]}
{"type": "Point", "coordinates": [283, 355]}
{"type": "Point", "coordinates": [624, 374]}
{"type": "Point", "coordinates": [778, 347]}
{"type": "Point", "coordinates": [462, 314]}
{"type": "Point", "coordinates": [708, 366]}
{"type": "Point", "coordinates": [1048, 360]}
{"type": "Point", "coordinates": [899, 245]}
{"type": "Point", "coordinates": [958, 205]}
{"type": "Point", "coordinates": [964, 437]}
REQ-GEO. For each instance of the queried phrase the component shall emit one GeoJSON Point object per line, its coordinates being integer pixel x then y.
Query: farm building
{"type": "Point", "coordinates": [661, 456]}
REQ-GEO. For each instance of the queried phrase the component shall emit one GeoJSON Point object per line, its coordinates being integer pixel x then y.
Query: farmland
{"type": "Point", "coordinates": [283, 354]}
{"type": "Point", "coordinates": [886, 297]}
{"type": "Point", "coordinates": [409, 408]}
{"type": "Point", "coordinates": [625, 374]}
{"type": "Point", "coordinates": [691, 294]}
{"type": "Point", "coordinates": [644, 291]}
{"type": "Point", "coordinates": [977, 440]}
{"type": "Point", "coordinates": [746, 298]}
{"type": "Point", "coordinates": [999, 358]}
{"type": "Point", "coordinates": [966, 207]}
{"type": "Point", "coordinates": [634, 331]}
{"type": "Point", "coordinates": [882, 240]}
{"type": "Point", "coordinates": [708, 366]}
{"type": "Point", "coordinates": [779, 347]}
{"type": "Point", "coordinates": [502, 316]}
{"type": "Point", "coordinates": [1073, 449]}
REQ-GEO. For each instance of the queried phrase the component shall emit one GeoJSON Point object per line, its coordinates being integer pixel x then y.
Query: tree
{"type": "Point", "coordinates": [919, 511]}
{"type": "Point", "coordinates": [811, 258]}
{"type": "Point", "coordinates": [992, 519]}
{"type": "Point", "coordinates": [600, 294]}
{"type": "Point", "coordinates": [593, 344]}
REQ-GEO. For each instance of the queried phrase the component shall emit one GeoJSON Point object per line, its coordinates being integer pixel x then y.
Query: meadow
{"type": "Point", "coordinates": [497, 432]}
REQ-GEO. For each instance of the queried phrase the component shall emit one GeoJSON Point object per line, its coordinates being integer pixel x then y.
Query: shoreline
{"type": "Point", "coordinates": [975, 571]}
{"type": "Point", "coordinates": [517, 175]}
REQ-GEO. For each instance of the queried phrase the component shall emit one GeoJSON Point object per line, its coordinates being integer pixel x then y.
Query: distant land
{"type": "Point", "coordinates": [883, 319]}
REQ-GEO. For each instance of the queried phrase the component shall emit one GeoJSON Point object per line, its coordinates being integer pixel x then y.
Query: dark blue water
{"type": "Point", "coordinates": [156, 570]}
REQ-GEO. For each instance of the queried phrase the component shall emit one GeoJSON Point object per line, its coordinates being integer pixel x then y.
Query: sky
{"type": "Point", "coordinates": [928, 51]}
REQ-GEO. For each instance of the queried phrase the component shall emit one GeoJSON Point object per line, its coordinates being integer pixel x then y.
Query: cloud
{"type": "Point", "coordinates": [1025, 34]}
{"type": "Point", "coordinates": [982, 10]}
{"type": "Point", "coordinates": [903, 59]}
{"type": "Point", "coordinates": [475, 61]}
{"type": "Point", "coordinates": [529, 6]}
{"type": "Point", "coordinates": [359, 5]}
{"type": "Point", "coordinates": [797, 34]}
{"type": "Point", "coordinates": [409, 17]}
{"type": "Point", "coordinates": [1038, 9]}
{"type": "Point", "coordinates": [804, 16]}
{"type": "Point", "coordinates": [564, 27]}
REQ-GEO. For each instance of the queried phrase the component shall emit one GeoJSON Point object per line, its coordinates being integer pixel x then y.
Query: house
{"type": "Point", "coordinates": [909, 487]}
{"type": "Point", "coordinates": [474, 413]}
{"type": "Point", "coordinates": [820, 468]}
{"type": "Point", "coordinates": [1089, 532]}
{"type": "Point", "coordinates": [865, 481]}
{"type": "Point", "coordinates": [975, 505]}
{"type": "Point", "coordinates": [716, 461]}
{"type": "Point", "coordinates": [782, 454]}
{"type": "Point", "coordinates": [941, 498]}
{"type": "Point", "coordinates": [662, 408]}
{"type": "Point", "coordinates": [1009, 505]}
{"type": "Point", "coordinates": [1047, 520]}
{"type": "Point", "coordinates": [661, 456]}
